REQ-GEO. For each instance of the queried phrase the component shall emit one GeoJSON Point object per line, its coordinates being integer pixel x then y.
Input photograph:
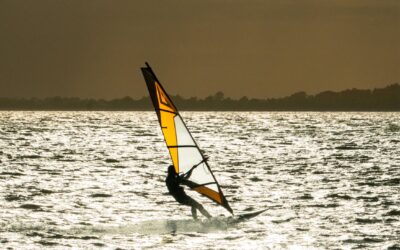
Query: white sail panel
{"type": "Point", "coordinates": [202, 176]}
{"type": "Point", "coordinates": [188, 157]}
{"type": "Point", "coordinates": [182, 134]}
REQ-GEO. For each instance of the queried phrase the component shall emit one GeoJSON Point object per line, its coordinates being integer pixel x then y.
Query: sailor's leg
{"type": "Point", "coordinates": [194, 213]}
{"type": "Point", "coordinates": [195, 205]}
{"type": "Point", "coordinates": [204, 212]}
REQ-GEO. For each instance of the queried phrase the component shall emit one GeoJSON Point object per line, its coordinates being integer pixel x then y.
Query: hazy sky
{"type": "Point", "coordinates": [257, 48]}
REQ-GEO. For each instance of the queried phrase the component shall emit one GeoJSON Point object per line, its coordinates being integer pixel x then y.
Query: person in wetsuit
{"type": "Point", "coordinates": [173, 182]}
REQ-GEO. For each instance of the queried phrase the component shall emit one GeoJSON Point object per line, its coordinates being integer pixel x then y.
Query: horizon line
{"type": "Point", "coordinates": [200, 98]}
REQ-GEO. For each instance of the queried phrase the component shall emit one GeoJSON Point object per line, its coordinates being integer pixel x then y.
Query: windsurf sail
{"type": "Point", "coordinates": [187, 158]}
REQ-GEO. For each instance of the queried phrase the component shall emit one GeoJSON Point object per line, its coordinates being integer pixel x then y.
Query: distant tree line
{"type": "Point", "coordinates": [379, 99]}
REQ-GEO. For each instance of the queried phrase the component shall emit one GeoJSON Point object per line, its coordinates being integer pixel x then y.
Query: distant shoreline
{"type": "Point", "coordinates": [198, 110]}
{"type": "Point", "coordinates": [385, 99]}
{"type": "Point", "coordinates": [205, 110]}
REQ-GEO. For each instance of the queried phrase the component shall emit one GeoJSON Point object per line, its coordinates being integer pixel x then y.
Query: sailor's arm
{"type": "Point", "coordinates": [187, 175]}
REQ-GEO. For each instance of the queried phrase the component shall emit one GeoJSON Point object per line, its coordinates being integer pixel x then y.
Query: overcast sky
{"type": "Point", "coordinates": [257, 48]}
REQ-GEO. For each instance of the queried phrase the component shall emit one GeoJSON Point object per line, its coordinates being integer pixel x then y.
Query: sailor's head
{"type": "Point", "coordinates": [171, 169]}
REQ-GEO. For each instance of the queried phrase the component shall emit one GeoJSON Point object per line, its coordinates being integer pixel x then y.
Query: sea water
{"type": "Point", "coordinates": [86, 180]}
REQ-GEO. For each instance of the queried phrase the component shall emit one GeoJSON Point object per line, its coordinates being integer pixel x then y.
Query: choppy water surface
{"type": "Point", "coordinates": [96, 179]}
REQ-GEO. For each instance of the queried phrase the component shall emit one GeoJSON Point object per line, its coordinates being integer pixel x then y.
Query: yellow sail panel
{"type": "Point", "coordinates": [163, 100]}
{"type": "Point", "coordinates": [209, 193]}
{"type": "Point", "coordinates": [169, 131]}
{"type": "Point", "coordinates": [174, 156]}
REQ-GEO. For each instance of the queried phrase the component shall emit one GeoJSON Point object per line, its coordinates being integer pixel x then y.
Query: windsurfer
{"type": "Point", "coordinates": [173, 182]}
